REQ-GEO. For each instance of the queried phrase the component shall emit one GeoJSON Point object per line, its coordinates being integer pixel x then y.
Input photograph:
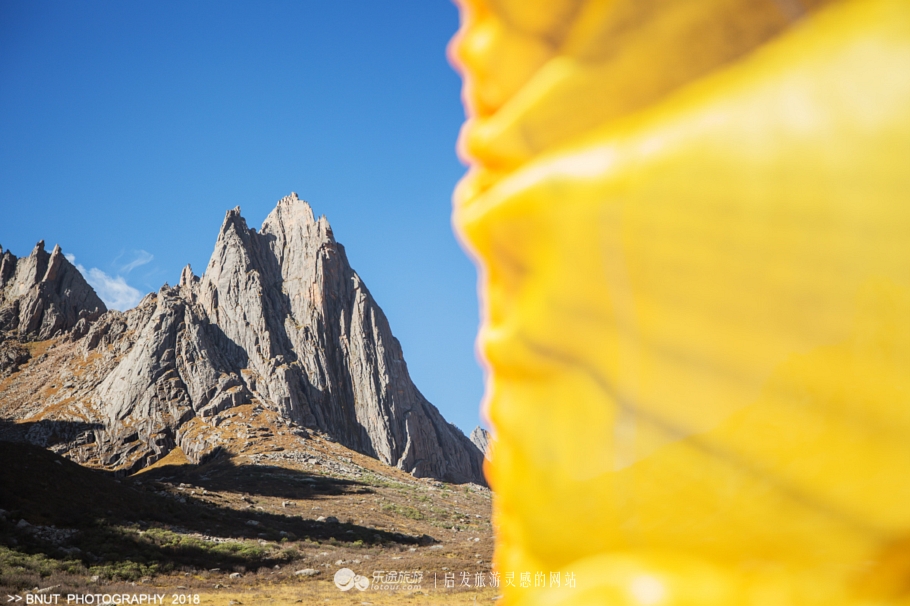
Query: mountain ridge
{"type": "Point", "coordinates": [278, 319]}
{"type": "Point", "coordinates": [43, 295]}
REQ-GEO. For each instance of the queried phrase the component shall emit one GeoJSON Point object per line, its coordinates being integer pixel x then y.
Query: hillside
{"type": "Point", "coordinates": [238, 526]}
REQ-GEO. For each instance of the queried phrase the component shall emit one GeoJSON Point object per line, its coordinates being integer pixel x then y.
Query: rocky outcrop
{"type": "Point", "coordinates": [12, 355]}
{"type": "Point", "coordinates": [44, 295]}
{"type": "Point", "coordinates": [176, 366]}
{"type": "Point", "coordinates": [481, 439]}
{"type": "Point", "coordinates": [279, 320]}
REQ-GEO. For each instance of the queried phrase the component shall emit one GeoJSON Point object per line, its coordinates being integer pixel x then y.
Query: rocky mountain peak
{"type": "Point", "coordinates": [291, 209]}
{"type": "Point", "coordinates": [44, 295]}
{"type": "Point", "coordinates": [278, 320]}
{"type": "Point", "coordinates": [481, 439]}
{"type": "Point", "coordinates": [187, 277]}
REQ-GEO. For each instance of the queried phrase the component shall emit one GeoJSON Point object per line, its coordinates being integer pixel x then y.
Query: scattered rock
{"type": "Point", "coordinates": [12, 356]}
{"type": "Point", "coordinates": [307, 572]}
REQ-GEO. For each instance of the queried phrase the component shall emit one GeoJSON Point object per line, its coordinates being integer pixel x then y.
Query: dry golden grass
{"type": "Point", "coordinates": [175, 457]}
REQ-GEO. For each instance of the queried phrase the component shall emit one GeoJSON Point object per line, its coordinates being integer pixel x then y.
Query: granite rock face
{"type": "Point", "coordinates": [278, 320]}
{"type": "Point", "coordinates": [481, 439]}
{"type": "Point", "coordinates": [173, 367]}
{"type": "Point", "coordinates": [43, 295]}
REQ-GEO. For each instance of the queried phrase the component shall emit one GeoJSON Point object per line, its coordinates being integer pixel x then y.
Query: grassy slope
{"type": "Point", "coordinates": [182, 525]}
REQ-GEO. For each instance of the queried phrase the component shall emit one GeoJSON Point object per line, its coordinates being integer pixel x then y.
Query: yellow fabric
{"type": "Point", "coordinates": [692, 221]}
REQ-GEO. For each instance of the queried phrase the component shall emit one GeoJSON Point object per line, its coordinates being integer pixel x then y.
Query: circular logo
{"type": "Point", "coordinates": [346, 579]}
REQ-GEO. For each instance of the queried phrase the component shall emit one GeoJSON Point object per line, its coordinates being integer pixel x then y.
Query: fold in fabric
{"type": "Point", "coordinates": [692, 224]}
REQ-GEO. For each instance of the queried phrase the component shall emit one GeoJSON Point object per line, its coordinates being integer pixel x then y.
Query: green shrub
{"type": "Point", "coordinates": [404, 510]}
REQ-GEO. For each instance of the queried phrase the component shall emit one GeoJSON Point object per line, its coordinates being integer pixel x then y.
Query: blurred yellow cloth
{"type": "Point", "coordinates": [692, 220]}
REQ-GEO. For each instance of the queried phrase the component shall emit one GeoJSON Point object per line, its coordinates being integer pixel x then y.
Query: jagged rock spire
{"type": "Point", "coordinates": [481, 439]}
{"type": "Point", "coordinates": [44, 295]}
{"type": "Point", "coordinates": [187, 278]}
{"type": "Point", "coordinates": [319, 344]}
{"type": "Point", "coordinates": [278, 319]}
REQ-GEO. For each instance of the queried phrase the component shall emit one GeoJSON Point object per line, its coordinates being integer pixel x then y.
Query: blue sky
{"type": "Point", "coordinates": [127, 129]}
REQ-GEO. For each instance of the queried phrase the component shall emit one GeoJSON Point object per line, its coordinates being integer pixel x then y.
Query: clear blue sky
{"type": "Point", "coordinates": [127, 129]}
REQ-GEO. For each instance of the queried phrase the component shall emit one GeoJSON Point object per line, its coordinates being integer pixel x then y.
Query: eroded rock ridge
{"type": "Point", "coordinates": [279, 320]}
{"type": "Point", "coordinates": [43, 295]}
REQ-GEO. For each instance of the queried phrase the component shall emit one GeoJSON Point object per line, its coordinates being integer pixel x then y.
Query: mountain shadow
{"type": "Point", "coordinates": [90, 520]}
